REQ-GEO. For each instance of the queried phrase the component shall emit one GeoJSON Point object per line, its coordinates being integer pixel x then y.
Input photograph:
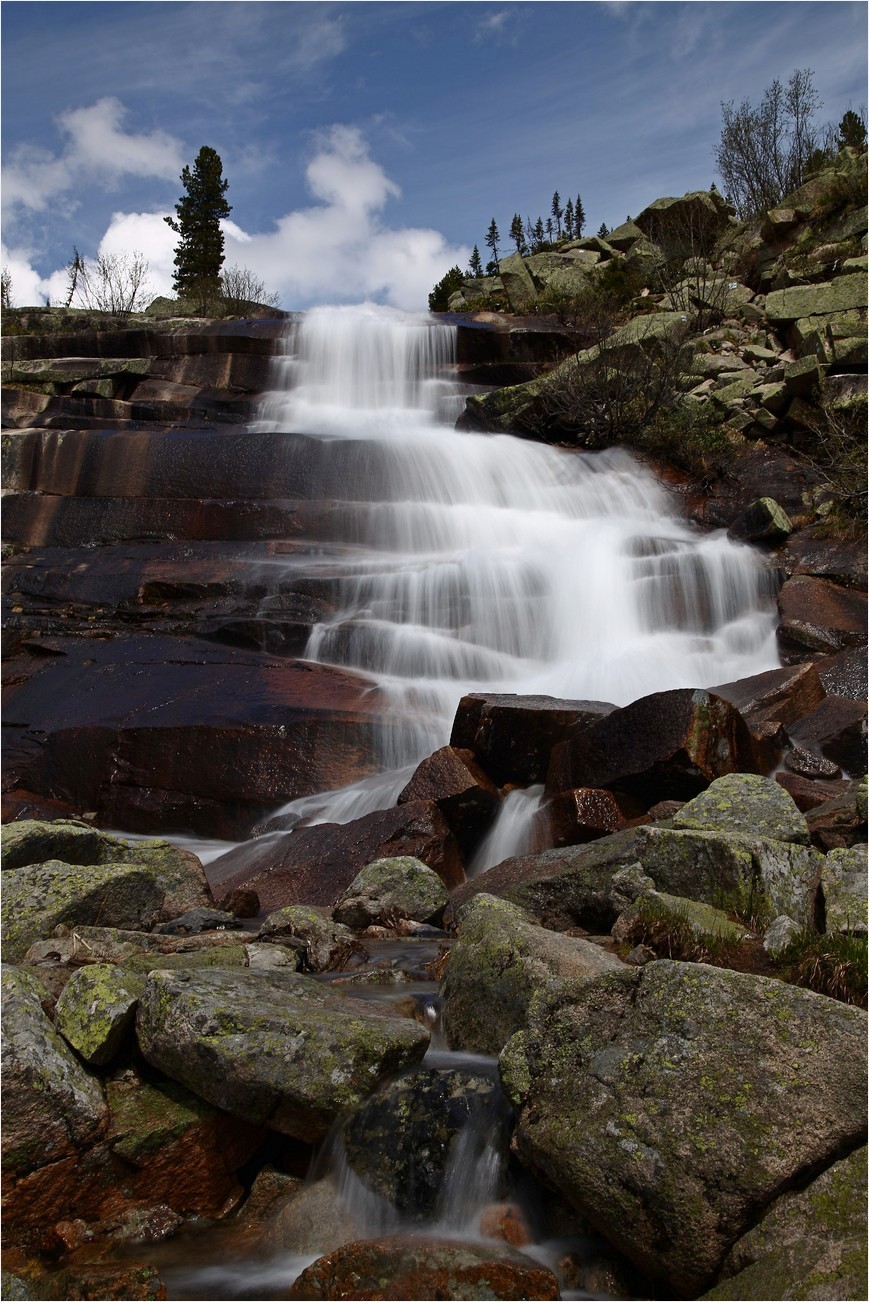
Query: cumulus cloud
{"type": "Point", "coordinates": [97, 148]}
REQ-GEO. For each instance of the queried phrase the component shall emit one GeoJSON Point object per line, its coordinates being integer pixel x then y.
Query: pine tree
{"type": "Point", "coordinates": [851, 131]}
{"type": "Point", "coordinates": [475, 266]}
{"type": "Point", "coordinates": [493, 239]}
{"type": "Point", "coordinates": [557, 211]}
{"type": "Point", "coordinates": [539, 233]}
{"type": "Point", "coordinates": [199, 252]}
{"type": "Point", "coordinates": [568, 219]}
{"type": "Point", "coordinates": [550, 229]}
{"type": "Point", "coordinates": [603, 230]}
{"type": "Point", "coordinates": [517, 234]}
{"type": "Point", "coordinates": [578, 217]}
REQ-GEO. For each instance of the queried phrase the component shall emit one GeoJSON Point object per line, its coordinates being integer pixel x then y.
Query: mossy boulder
{"type": "Point", "coordinates": [844, 883]}
{"type": "Point", "coordinates": [318, 940]}
{"type": "Point", "coordinates": [53, 1108]}
{"type": "Point", "coordinates": [277, 1049]}
{"type": "Point", "coordinates": [658, 914]}
{"type": "Point", "coordinates": [96, 1010]}
{"type": "Point", "coordinates": [844, 294]}
{"type": "Point", "coordinates": [389, 889]}
{"type": "Point", "coordinates": [668, 1103]}
{"type": "Point", "coordinates": [810, 1243]}
{"type": "Point", "coordinates": [746, 803]}
{"type": "Point", "coordinates": [500, 960]}
{"type": "Point", "coordinates": [763, 520]}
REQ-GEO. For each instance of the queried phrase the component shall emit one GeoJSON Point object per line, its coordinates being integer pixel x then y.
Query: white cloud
{"type": "Point", "coordinates": [97, 147]}
{"type": "Point", "coordinates": [495, 28]}
{"type": "Point", "coordinates": [339, 249]}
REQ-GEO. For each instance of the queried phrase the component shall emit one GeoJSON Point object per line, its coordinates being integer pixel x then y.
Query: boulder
{"type": "Point", "coordinates": [836, 729]}
{"type": "Point", "coordinates": [668, 1103]}
{"type": "Point", "coordinates": [671, 923]}
{"type": "Point", "coordinates": [846, 890]}
{"type": "Point", "coordinates": [762, 521]}
{"type": "Point", "coordinates": [841, 821]}
{"type": "Point", "coordinates": [314, 865]}
{"type": "Point", "coordinates": [516, 279]}
{"type": "Point", "coordinates": [465, 795]}
{"type": "Point", "coordinates": [817, 615]}
{"type": "Point", "coordinates": [416, 1139]}
{"type": "Point", "coordinates": [389, 889]}
{"type": "Point", "coordinates": [512, 736]}
{"type": "Point", "coordinates": [778, 695]}
{"type": "Point", "coordinates": [316, 1219]}
{"type": "Point", "coordinates": [624, 236]}
{"type": "Point", "coordinates": [810, 1243]}
{"type": "Point", "coordinates": [500, 960]}
{"type": "Point", "coordinates": [845, 674]}
{"type": "Point", "coordinates": [424, 1268]}
{"type": "Point", "coordinates": [809, 793]}
{"type": "Point", "coordinates": [311, 933]}
{"type": "Point", "coordinates": [693, 220]}
{"type": "Point", "coordinates": [843, 294]}
{"type": "Point", "coordinates": [96, 1011]}
{"type": "Point", "coordinates": [195, 921]}
{"type": "Point", "coordinates": [808, 765]}
{"type": "Point", "coordinates": [575, 817]}
{"type": "Point", "coordinates": [780, 933]}
{"type": "Point", "coordinates": [667, 745]}
{"type": "Point", "coordinates": [744, 803]}
{"type": "Point", "coordinates": [277, 1049]}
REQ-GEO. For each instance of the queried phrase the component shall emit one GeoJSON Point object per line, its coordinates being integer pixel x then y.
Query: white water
{"type": "Point", "coordinates": [474, 562]}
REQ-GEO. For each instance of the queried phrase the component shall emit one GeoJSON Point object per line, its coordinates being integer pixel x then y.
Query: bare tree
{"type": "Point", "coordinates": [241, 289]}
{"type": "Point", "coordinates": [763, 152]}
{"type": "Point", "coordinates": [111, 282]}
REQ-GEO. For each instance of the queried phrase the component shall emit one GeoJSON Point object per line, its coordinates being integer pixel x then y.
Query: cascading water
{"type": "Point", "coordinates": [470, 562]}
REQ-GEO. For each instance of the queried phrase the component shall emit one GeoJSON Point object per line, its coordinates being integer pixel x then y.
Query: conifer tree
{"type": "Point", "coordinates": [199, 252]}
{"type": "Point", "coordinates": [517, 234]}
{"type": "Point", "coordinates": [578, 217]}
{"type": "Point", "coordinates": [539, 233]}
{"type": "Point", "coordinates": [493, 239]}
{"type": "Point", "coordinates": [557, 210]}
{"type": "Point", "coordinates": [851, 131]}
{"type": "Point", "coordinates": [550, 229]}
{"type": "Point", "coordinates": [603, 230]}
{"type": "Point", "coordinates": [568, 219]}
{"type": "Point", "coordinates": [475, 266]}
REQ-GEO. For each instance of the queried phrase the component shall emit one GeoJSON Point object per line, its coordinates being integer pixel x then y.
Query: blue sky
{"type": "Point", "coordinates": [368, 145]}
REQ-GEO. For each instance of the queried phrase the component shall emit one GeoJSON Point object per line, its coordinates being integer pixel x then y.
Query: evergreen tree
{"type": "Point", "coordinates": [529, 233]}
{"type": "Point", "coordinates": [550, 229]}
{"type": "Point", "coordinates": [475, 266]}
{"type": "Point", "coordinates": [451, 283]}
{"type": "Point", "coordinates": [851, 131]}
{"type": "Point", "coordinates": [517, 234]}
{"type": "Point", "coordinates": [603, 230]}
{"type": "Point", "coordinates": [568, 219]}
{"type": "Point", "coordinates": [557, 211]}
{"type": "Point", "coordinates": [578, 217]}
{"type": "Point", "coordinates": [493, 239]}
{"type": "Point", "coordinates": [199, 252]}
{"type": "Point", "coordinates": [539, 233]}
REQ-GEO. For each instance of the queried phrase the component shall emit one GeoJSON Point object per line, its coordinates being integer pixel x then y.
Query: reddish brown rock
{"type": "Point", "coordinates": [315, 865]}
{"type": "Point", "coordinates": [779, 695]}
{"type": "Point", "coordinates": [466, 797]}
{"type": "Point", "coordinates": [242, 904]}
{"type": "Point", "coordinates": [836, 730]}
{"type": "Point", "coordinates": [669, 745]}
{"type": "Point", "coordinates": [809, 793]}
{"type": "Point", "coordinates": [512, 736]}
{"type": "Point", "coordinates": [584, 814]}
{"type": "Point", "coordinates": [401, 1268]}
{"type": "Point", "coordinates": [505, 1221]}
{"type": "Point", "coordinates": [840, 822]}
{"type": "Point", "coordinates": [817, 615]}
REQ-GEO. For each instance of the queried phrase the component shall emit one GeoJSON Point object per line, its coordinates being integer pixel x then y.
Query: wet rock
{"type": "Point", "coordinates": [466, 797]}
{"type": "Point", "coordinates": [505, 1221]}
{"type": "Point", "coordinates": [512, 736]}
{"type": "Point", "coordinates": [766, 1094]}
{"type": "Point", "coordinates": [667, 745]}
{"type": "Point", "coordinates": [841, 821]}
{"type": "Point", "coordinates": [136, 1282]}
{"type": "Point", "coordinates": [419, 1268]}
{"type": "Point", "coordinates": [314, 865]}
{"type": "Point", "coordinates": [846, 890]}
{"type": "Point", "coordinates": [779, 695]}
{"type": "Point", "coordinates": [809, 793]}
{"type": "Point", "coordinates": [809, 1244]}
{"type": "Point", "coordinates": [807, 765]}
{"type": "Point", "coordinates": [575, 817]}
{"type": "Point", "coordinates": [315, 1219]}
{"type": "Point", "coordinates": [273, 1048]}
{"type": "Point", "coordinates": [421, 1141]}
{"type": "Point", "coordinates": [321, 942]}
{"type": "Point", "coordinates": [195, 921]}
{"type": "Point", "coordinates": [499, 962]}
{"type": "Point", "coordinates": [389, 889]}
{"type": "Point", "coordinates": [241, 904]}
{"type": "Point", "coordinates": [746, 803]}
{"type": "Point", "coordinates": [96, 1011]}
{"type": "Point", "coordinates": [817, 615]}
{"type": "Point", "coordinates": [837, 731]}
{"type": "Point", "coordinates": [845, 674]}
{"type": "Point", "coordinates": [762, 521]}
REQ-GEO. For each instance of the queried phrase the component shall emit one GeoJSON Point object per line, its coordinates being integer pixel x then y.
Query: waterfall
{"type": "Point", "coordinates": [468, 562]}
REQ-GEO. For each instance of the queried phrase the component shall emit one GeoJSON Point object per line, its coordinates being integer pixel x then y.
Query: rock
{"type": "Point", "coordinates": [103, 1283]}
{"type": "Point", "coordinates": [500, 960]}
{"type": "Point", "coordinates": [96, 1011]}
{"type": "Point", "coordinates": [667, 745]}
{"type": "Point", "coordinates": [693, 219]}
{"type": "Point", "coordinates": [315, 1220]}
{"type": "Point", "coordinates": [575, 817]}
{"type": "Point", "coordinates": [624, 236]}
{"type": "Point", "coordinates": [389, 889]}
{"type": "Point", "coordinates": [273, 1048]}
{"type": "Point", "coordinates": [423, 1268]}
{"type": "Point", "coordinates": [672, 923]}
{"type": "Point", "coordinates": [809, 1244]}
{"type": "Point", "coordinates": [845, 674]}
{"type": "Point", "coordinates": [779, 695]}
{"type": "Point", "coordinates": [817, 615]}
{"type": "Point", "coordinates": [418, 1139]}
{"type": "Point", "coordinates": [841, 821]}
{"type": "Point", "coordinates": [241, 904]}
{"type": "Point", "coordinates": [843, 294]}
{"type": "Point", "coordinates": [512, 736]}
{"type": "Point", "coordinates": [517, 282]}
{"type": "Point", "coordinates": [466, 797]}
{"type": "Point", "coordinates": [746, 803]}
{"type": "Point", "coordinates": [808, 765]}
{"type": "Point", "coordinates": [505, 1221]}
{"type": "Point", "coordinates": [314, 865]}
{"type": "Point", "coordinates": [779, 934]}
{"type": "Point", "coordinates": [322, 943]}
{"type": "Point", "coordinates": [809, 793]}
{"type": "Point", "coordinates": [837, 730]}
{"type": "Point", "coordinates": [195, 921]}
{"type": "Point", "coordinates": [846, 890]}
{"type": "Point", "coordinates": [762, 521]}
{"type": "Point", "coordinates": [52, 1107]}
{"type": "Point", "coordinates": [770, 1082]}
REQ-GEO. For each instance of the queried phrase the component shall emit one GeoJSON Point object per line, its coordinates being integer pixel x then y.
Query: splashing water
{"type": "Point", "coordinates": [469, 562]}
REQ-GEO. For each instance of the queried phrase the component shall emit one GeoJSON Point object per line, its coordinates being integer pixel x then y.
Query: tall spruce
{"type": "Point", "coordinates": [475, 266]}
{"type": "Point", "coordinates": [517, 234]}
{"type": "Point", "coordinates": [578, 217]}
{"type": "Point", "coordinates": [568, 219]}
{"type": "Point", "coordinates": [493, 239]}
{"type": "Point", "coordinates": [557, 211]}
{"type": "Point", "coordinates": [199, 252]}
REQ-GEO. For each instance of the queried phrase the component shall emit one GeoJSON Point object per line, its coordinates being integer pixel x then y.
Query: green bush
{"type": "Point", "coordinates": [438, 299]}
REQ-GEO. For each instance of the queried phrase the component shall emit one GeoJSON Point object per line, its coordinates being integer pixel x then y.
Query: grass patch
{"type": "Point", "coordinates": [833, 965]}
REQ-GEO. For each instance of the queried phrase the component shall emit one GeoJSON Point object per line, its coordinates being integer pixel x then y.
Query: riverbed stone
{"type": "Point", "coordinates": [398, 1268]}
{"type": "Point", "coordinates": [840, 821]}
{"type": "Point", "coordinates": [96, 1010]}
{"type": "Point", "coordinates": [762, 521]}
{"type": "Point", "coordinates": [315, 1219]}
{"type": "Point", "coordinates": [512, 736]}
{"type": "Point", "coordinates": [667, 1103]}
{"type": "Point", "coordinates": [659, 917]}
{"type": "Point", "coordinates": [320, 940]}
{"type": "Point", "coordinates": [846, 890]}
{"type": "Point", "coordinates": [462, 791]}
{"type": "Point", "coordinates": [389, 889]}
{"type": "Point", "coordinates": [500, 960]}
{"type": "Point", "coordinates": [747, 803]}
{"type": "Point", "coordinates": [810, 1243]}
{"type": "Point", "coordinates": [274, 1048]}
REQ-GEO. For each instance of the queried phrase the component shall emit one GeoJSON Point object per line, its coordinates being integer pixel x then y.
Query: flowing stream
{"type": "Point", "coordinates": [464, 562]}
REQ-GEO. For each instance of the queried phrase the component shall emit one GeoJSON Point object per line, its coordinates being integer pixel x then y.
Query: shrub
{"type": "Point", "coordinates": [438, 299]}
{"type": "Point", "coordinates": [839, 456]}
{"type": "Point", "coordinates": [241, 290]}
{"type": "Point", "coordinates": [832, 965]}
